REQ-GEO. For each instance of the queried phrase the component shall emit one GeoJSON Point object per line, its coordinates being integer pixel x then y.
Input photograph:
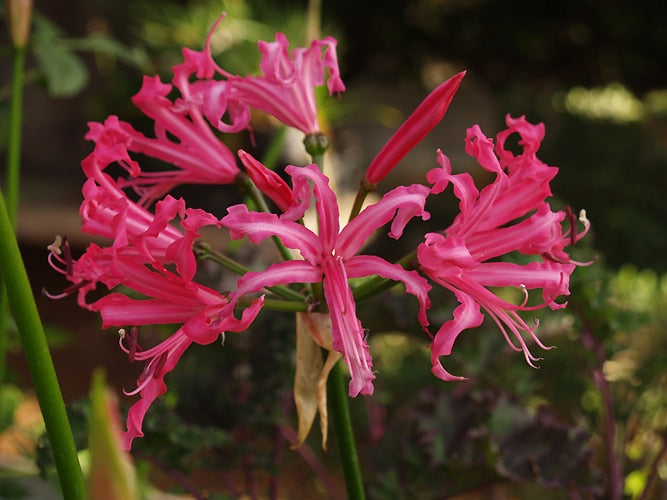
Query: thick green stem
{"type": "Point", "coordinates": [340, 414]}
{"type": "Point", "coordinates": [14, 138]}
{"type": "Point", "coordinates": [12, 186]}
{"type": "Point", "coordinates": [39, 360]}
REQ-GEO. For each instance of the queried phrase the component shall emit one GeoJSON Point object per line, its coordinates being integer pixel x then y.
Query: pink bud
{"type": "Point", "coordinates": [427, 115]}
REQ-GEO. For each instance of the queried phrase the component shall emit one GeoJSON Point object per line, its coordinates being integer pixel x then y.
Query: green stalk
{"type": "Point", "coordinates": [12, 186]}
{"type": "Point", "coordinates": [39, 360]}
{"type": "Point", "coordinates": [340, 414]}
{"type": "Point", "coordinates": [364, 189]}
{"type": "Point", "coordinates": [272, 154]}
{"type": "Point", "coordinates": [14, 140]}
{"type": "Point", "coordinates": [204, 252]}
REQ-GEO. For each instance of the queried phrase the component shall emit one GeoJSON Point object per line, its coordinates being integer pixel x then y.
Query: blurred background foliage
{"type": "Point", "coordinates": [594, 413]}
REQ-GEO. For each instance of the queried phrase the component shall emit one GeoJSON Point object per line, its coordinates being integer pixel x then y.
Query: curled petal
{"type": "Point", "coordinates": [258, 226]}
{"type": "Point", "coordinates": [531, 138]}
{"type": "Point", "coordinates": [466, 315]}
{"type": "Point", "coordinates": [152, 388]}
{"type": "Point", "coordinates": [326, 203]}
{"type": "Point", "coordinates": [399, 206]}
{"type": "Point", "coordinates": [366, 265]}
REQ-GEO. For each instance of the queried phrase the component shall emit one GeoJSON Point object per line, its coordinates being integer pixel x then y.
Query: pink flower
{"type": "Point", "coordinates": [422, 120]}
{"type": "Point", "coordinates": [184, 136]}
{"type": "Point", "coordinates": [508, 215]}
{"type": "Point", "coordinates": [286, 88]}
{"type": "Point", "coordinates": [330, 257]}
{"type": "Point", "coordinates": [205, 315]}
{"type": "Point", "coordinates": [146, 250]}
{"type": "Point", "coordinates": [107, 211]}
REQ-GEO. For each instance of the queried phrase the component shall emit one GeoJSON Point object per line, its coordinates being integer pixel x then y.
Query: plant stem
{"type": "Point", "coordinates": [345, 434]}
{"type": "Point", "coordinates": [39, 360]}
{"type": "Point", "coordinates": [203, 252]}
{"type": "Point", "coordinates": [12, 186]}
{"type": "Point", "coordinates": [14, 139]}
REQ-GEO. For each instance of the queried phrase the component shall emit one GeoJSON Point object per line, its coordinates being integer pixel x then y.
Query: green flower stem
{"type": "Point", "coordinates": [14, 140]}
{"type": "Point", "coordinates": [12, 186]}
{"type": "Point", "coordinates": [203, 252]}
{"type": "Point", "coordinates": [340, 414]}
{"type": "Point", "coordinates": [39, 360]}
{"type": "Point", "coordinates": [364, 189]}
{"type": "Point", "coordinates": [278, 305]}
{"type": "Point", "coordinates": [272, 154]}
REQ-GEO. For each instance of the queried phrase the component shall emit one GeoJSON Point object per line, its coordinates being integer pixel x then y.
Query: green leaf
{"type": "Point", "coordinates": [65, 72]}
{"type": "Point", "coordinates": [104, 44]}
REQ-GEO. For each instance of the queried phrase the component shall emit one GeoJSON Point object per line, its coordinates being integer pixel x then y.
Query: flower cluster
{"type": "Point", "coordinates": [152, 234]}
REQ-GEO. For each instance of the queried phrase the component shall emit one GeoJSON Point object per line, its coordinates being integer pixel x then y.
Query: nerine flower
{"type": "Point", "coordinates": [205, 315]}
{"type": "Point", "coordinates": [148, 237]}
{"type": "Point", "coordinates": [286, 87]}
{"type": "Point", "coordinates": [183, 127]}
{"type": "Point", "coordinates": [508, 215]}
{"type": "Point", "coordinates": [330, 256]}
{"type": "Point", "coordinates": [154, 259]}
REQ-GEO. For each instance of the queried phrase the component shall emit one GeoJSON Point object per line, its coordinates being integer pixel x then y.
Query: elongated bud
{"type": "Point", "coordinates": [267, 181]}
{"type": "Point", "coordinates": [19, 13]}
{"type": "Point", "coordinates": [427, 115]}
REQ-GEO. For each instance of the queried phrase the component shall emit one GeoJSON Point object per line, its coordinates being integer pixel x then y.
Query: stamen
{"type": "Point", "coordinates": [159, 364]}
{"type": "Point", "coordinates": [55, 246]}
{"type": "Point", "coordinates": [67, 292]}
{"type": "Point", "coordinates": [133, 339]}
{"type": "Point", "coordinates": [573, 225]}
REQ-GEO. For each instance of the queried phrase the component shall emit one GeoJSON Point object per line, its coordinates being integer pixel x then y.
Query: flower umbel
{"type": "Point", "coordinates": [330, 256]}
{"type": "Point", "coordinates": [150, 270]}
{"type": "Point", "coordinates": [508, 215]}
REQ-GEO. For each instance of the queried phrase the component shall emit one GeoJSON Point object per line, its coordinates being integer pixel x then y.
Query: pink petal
{"type": "Point", "coordinates": [399, 206]}
{"type": "Point", "coordinates": [258, 226]}
{"type": "Point", "coordinates": [326, 203]}
{"type": "Point", "coordinates": [466, 315]}
{"type": "Point", "coordinates": [152, 390]}
{"type": "Point", "coordinates": [368, 265]}
{"type": "Point", "coordinates": [348, 334]}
